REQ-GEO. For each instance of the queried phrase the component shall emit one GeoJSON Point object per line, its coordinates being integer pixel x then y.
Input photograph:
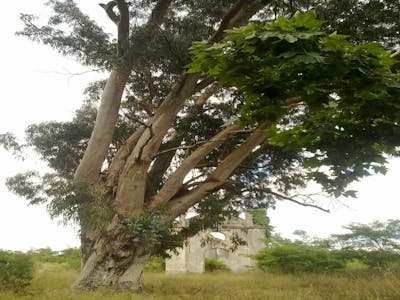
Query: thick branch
{"type": "Point", "coordinates": [211, 90]}
{"type": "Point", "coordinates": [110, 12]}
{"type": "Point", "coordinates": [225, 23]}
{"type": "Point", "coordinates": [100, 140]}
{"type": "Point", "coordinates": [167, 153]}
{"type": "Point", "coordinates": [395, 55]}
{"type": "Point", "coordinates": [175, 181]}
{"type": "Point", "coordinates": [123, 27]}
{"type": "Point", "coordinates": [159, 12]}
{"type": "Point", "coordinates": [183, 89]}
{"type": "Point", "coordinates": [218, 178]}
{"type": "Point", "coordinates": [237, 16]}
{"type": "Point", "coordinates": [122, 22]}
{"type": "Point", "coordinates": [131, 189]}
{"type": "Point", "coordinates": [161, 164]}
{"type": "Point", "coordinates": [120, 158]}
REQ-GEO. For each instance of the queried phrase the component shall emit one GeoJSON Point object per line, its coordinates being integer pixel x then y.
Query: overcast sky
{"type": "Point", "coordinates": [37, 85]}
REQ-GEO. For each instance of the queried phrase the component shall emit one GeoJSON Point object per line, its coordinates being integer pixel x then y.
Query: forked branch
{"type": "Point", "coordinates": [109, 8]}
{"type": "Point", "coordinates": [218, 177]}
{"type": "Point", "coordinates": [121, 20]}
{"type": "Point", "coordinates": [159, 11]}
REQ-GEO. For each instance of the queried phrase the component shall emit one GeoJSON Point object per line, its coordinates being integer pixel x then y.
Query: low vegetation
{"type": "Point", "coordinates": [211, 265]}
{"type": "Point", "coordinates": [297, 257]}
{"type": "Point", "coordinates": [361, 264]}
{"type": "Point", "coordinates": [53, 280]}
{"type": "Point", "coordinates": [16, 270]}
{"type": "Point", "coordinates": [374, 247]}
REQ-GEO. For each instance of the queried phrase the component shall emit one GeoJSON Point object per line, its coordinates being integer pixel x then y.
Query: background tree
{"type": "Point", "coordinates": [376, 244]}
{"type": "Point", "coordinates": [164, 140]}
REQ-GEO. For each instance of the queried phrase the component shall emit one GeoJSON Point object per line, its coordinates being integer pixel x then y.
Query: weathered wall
{"type": "Point", "coordinates": [191, 257]}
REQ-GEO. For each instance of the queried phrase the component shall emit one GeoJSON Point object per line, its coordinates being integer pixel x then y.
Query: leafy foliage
{"type": "Point", "coordinates": [335, 102]}
{"type": "Point", "coordinates": [212, 265]}
{"type": "Point", "coordinates": [85, 40]}
{"type": "Point", "coordinates": [16, 270]}
{"type": "Point", "coordinates": [372, 21]}
{"type": "Point", "coordinates": [291, 257]}
{"type": "Point", "coordinates": [155, 264]}
{"type": "Point", "coordinates": [65, 198]}
{"type": "Point", "coordinates": [362, 21]}
{"type": "Point", "coordinates": [154, 230]}
{"type": "Point", "coordinates": [260, 217]}
{"type": "Point", "coordinates": [211, 213]}
{"type": "Point", "coordinates": [10, 143]}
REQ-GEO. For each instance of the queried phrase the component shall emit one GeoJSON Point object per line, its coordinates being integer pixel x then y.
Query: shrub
{"type": "Point", "coordinates": [296, 257]}
{"type": "Point", "coordinates": [155, 264]}
{"type": "Point", "coordinates": [211, 265]}
{"type": "Point", "coordinates": [375, 259]}
{"type": "Point", "coordinates": [70, 257]}
{"type": "Point", "coordinates": [16, 270]}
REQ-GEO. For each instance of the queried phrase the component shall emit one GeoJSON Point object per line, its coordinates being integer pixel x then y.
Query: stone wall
{"type": "Point", "coordinates": [190, 258]}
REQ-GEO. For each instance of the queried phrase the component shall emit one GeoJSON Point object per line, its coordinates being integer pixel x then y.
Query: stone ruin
{"type": "Point", "coordinates": [217, 245]}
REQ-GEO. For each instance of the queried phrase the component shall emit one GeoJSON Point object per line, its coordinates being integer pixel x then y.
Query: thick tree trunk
{"type": "Point", "coordinates": [114, 261]}
{"type": "Point", "coordinates": [100, 271]}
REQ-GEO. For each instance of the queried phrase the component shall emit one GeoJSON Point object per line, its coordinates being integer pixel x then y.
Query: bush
{"type": "Point", "coordinates": [211, 265]}
{"type": "Point", "coordinates": [296, 257]}
{"type": "Point", "coordinates": [16, 270]}
{"type": "Point", "coordinates": [374, 259]}
{"type": "Point", "coordinates": [155, 264]}
{"type": "Point", "coordinates": [70, 257]}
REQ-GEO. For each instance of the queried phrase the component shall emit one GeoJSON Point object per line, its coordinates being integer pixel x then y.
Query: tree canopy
{"type": "Point", "coordinates": [339, 100]}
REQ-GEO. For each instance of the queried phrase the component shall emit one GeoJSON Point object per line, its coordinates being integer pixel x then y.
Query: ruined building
{"type": "Point", "coordinates": [218, 245]}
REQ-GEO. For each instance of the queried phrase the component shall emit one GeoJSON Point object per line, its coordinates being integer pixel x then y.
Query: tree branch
{"type": "Point", "coordinates": [204, 83]}
{"type": "Point", "coordinates": [225, 23]}
{"type": "Point", "coordinates": [218, 177]}
{"type": "Point", "coordinates": [123, 27]}
{"type": "Point", "coordinates": [288, 198]}
{"type": "Point", "coordinates": [159, 12]}
{"type": "Point", "coordinates": [122, 22]}
{"type": "Point", "coordinates": [110, 12]}
{"type": "Point", "coordinates": [120, 157]}
{"type": "Point", "coordinates": [236, 16]}
{"type": "Point", "coordinates": [175, 181]}
{"type": "Point", "coordinates": [396, 55]}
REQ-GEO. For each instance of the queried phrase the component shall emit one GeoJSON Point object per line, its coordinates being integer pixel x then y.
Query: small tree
{"type": "Point", "coordinates": [376, 244]}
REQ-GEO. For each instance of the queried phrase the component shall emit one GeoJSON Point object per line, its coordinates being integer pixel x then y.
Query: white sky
{"type": "Point", "coordinates": [36, 87]}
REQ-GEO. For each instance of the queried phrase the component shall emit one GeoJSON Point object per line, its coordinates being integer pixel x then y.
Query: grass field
{"type": "Point", "coordinates": [52, 282]}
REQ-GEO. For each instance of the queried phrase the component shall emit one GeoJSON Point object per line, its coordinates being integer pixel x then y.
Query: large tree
{"type": "Point", "coordinates": [250, 116]}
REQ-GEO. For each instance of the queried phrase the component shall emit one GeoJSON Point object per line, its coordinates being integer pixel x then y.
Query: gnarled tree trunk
{"type": "Point", "coordinates": [114, 261]}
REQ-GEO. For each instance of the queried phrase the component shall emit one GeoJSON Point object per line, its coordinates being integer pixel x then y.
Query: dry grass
{"type": "Point", "coordinates": [52, 281]}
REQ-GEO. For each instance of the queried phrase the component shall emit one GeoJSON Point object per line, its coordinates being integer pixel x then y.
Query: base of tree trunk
{"type": "Point", "coordinates": [112, 271]}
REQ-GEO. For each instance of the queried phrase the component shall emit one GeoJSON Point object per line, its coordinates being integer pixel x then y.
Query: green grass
{"type": "Point", "coordinates": [52, 281]}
